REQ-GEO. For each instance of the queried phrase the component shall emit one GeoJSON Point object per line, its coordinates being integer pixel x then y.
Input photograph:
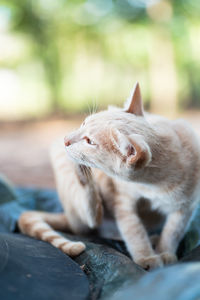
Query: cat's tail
{"type": "Point", "coordinates": [41, 225]}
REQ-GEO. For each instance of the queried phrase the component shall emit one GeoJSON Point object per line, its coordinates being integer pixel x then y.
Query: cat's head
{"type": "Point", "coordinates": [113, 140]}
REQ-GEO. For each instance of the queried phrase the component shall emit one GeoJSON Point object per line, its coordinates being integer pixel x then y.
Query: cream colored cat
{"type": "Point", "coordinates": [132, 155]}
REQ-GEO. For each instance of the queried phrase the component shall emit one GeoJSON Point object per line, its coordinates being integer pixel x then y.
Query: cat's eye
{"type": "Point", "coordinates": [89, 141]}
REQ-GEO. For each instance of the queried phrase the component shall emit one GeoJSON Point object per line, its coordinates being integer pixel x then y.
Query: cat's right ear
{"type": "Point", "coordinates": [135, 105]}
{"type": "Point", "coordinates": [133, 148]}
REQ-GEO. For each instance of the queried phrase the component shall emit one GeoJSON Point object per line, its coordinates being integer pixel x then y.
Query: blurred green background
{"type": "Point", "coordinates": [69, 56]}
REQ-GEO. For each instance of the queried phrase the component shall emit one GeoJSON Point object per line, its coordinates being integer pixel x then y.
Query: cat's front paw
{"type": "Point", "coordinates": [168, 258]}
{"type": "Point", "coordinates": [84, 174]}
{"type": "Point", "coordinates": [150, 262]}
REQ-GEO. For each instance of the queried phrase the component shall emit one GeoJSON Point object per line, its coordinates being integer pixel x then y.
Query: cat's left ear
{"type": "Point", "coordinates": [135, 105]}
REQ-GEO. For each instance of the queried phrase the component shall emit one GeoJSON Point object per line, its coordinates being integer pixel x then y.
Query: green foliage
{"type": "Point", "coordinates": [104, 39]}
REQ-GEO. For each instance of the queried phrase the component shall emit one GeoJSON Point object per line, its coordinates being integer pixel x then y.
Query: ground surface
{"type": "Point", "coordinates": [24, 148]}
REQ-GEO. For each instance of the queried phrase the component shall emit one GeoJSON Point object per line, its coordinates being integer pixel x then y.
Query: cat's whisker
{"type": "Point", "coordinates": [89, 109]}
{"type": "Point", "coordinates": [94, 106]}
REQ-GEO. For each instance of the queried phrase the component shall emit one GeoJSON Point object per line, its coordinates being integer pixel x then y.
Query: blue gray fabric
{"type": "Point", "coordinates": [106, 268]}
{"type": "Point", "coordinates": [111, 273]}
{"type": "Point", "coordinates": [14, 201]}
{"type": "Point", "coordinates": [31, 269]}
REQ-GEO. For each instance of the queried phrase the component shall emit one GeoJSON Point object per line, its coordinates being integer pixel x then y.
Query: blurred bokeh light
{"type": "Point", "coordinates": [62, 56]}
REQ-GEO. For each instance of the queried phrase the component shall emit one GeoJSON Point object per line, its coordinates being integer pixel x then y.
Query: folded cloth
{"type": "Point", "coordinates": [31, 269]}
{"type": "Point", "coordinates": [106, 268]}
{"type": "Point", "coordinates": [14, 201]}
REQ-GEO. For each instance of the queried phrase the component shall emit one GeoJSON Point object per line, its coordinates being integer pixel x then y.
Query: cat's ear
{"type": "Point", "coordinates": [134, 150]}
{"type": "Point", "coordinates": [142, 155]}
{"type": "Point", "coordinates": [135, 105]}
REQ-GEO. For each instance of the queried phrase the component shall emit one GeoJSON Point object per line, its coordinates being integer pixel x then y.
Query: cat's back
{"type": "Point", "coordinates": [189, 153]}
{"type": "Point", "coordinates": [182, 145]}
{"type": "Point", "coordinates": [178, 129]}
{"type": "Point", "coordinates": [188, 137]}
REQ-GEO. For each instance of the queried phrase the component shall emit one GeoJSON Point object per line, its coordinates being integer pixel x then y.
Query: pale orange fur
{"type": "Point", "coordinates": [132, 155]}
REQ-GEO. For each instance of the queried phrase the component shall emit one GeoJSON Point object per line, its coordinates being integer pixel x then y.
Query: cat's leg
{"type": "Point", "coordinates": [135, 235]}
{"type": "Point", "coordinates": [171, 235]}
{"type": "Point", "coordinates": [41, 225]}
{"type": "Point", "coordinates": [78, 191]}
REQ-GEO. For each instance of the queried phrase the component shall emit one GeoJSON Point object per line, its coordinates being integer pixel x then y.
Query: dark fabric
{"type": "Point", "coordinates": [106, 268]}
{"type": "Point", "coordinates": [31, 269]}
{"type": "Point", "coordinates": [111, 273]}
{"type": "Point", "coordinates": [14, 201]}
{"type": "Point", "coordinates": [178, 282]}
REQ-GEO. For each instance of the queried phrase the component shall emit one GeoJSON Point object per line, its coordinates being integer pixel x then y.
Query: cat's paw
{"type": "Point", "coordinates": [92, 208]}
{"type": "Point", "coordinates": [168, 258]}
{"type": "Point", "coordinates": [150, 262]}
{"type": "Point", "coordinates": [84, 174]}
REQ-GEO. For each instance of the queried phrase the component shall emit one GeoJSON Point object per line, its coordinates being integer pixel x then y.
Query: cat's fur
{"type": "Point", "coordinates": [134, 155]}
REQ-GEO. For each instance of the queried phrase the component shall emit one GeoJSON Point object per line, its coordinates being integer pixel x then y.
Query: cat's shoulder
{"type": "Point", "coordinates": [157, 120]}
{"type": "Point", "coordinates": [183, 128]}
{"type": "Point", "coordinates": [177, 124]}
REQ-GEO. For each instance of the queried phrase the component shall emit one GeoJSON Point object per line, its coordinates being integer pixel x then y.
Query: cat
{"type": "Point", "coordinates": [117, 157]}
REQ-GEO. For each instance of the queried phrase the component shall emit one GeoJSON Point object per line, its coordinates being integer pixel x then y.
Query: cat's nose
{"type": "Point", "coordinates": [67, 142]}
